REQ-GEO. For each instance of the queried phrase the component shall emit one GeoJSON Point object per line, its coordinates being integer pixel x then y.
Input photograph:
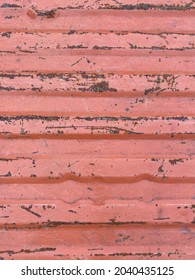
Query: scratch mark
{"type": "Point", "coordinates": [27, 251]}
{"type": "Point", "coordinates": [30, 211]}
{"type": "Point", "coordinates": [77, 61]}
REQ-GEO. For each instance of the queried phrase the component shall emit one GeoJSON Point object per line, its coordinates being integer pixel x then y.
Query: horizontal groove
{"type": "Point", "coordinates": [77, 225]}
{"type": "Point", "coordinates": [38, 43]}
{"type": "Point", "coordinates": [91, 226]}
{"type": "Point", "coordinates": [17, 150]}
{"type": "Point", "coordinates": [18, 32]}
{"type": "Point", "coordinates": [56, 126]}
{"type": "Point", "coordinates": [118, 72]}
{"type": "Point", "coordinates": [177, 136]}
{"type": "Point", "coordinates": [44, 75]}
{"type": "Point", "coordinates": [145, 191]}
{"type": "Point", "coordinates": [100, 49]}
{"type": "Point", "coordinates": [102, 53]}
{"type": "Point", "coordinates": [98, 114]}
{"type": "Point", "coordinates": [156, 62]}
{"type": "Point", "coordinates": [107, 170]}
{"type": "Point", "coordinates": [92, 94]}
{"type": "Point", "coordinates": [88, 241]}
{"type": "Point", "coordinates": [82, 94]}
{"type": "Point", "coordinates": [44, 9]}
{"type": "Point", "coordinates": [147, 7]}
{"type": "Point", "coordinates": [171, 21]}
{"type": "Point", "coordinates": [89, 118]}
{"type": "Point", "coordinates": [96, 201]}
{"type": "Point", "coordinates": [67, 105]}
{"type": "Point", "coordinates": [88, 211]}
{"type": "Point", "coordinates": [107, 180]}
{"type": "Point", "coordinates": [172, 156]}
{"type": "Point", "coordinates": [86, 84]}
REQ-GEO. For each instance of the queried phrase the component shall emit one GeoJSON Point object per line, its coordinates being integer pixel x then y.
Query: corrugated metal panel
{"type": "Point", "coordinates": [97, 129]}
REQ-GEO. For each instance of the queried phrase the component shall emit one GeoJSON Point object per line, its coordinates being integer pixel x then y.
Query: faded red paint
{"type": "Point", "coordinates": [97, 129]}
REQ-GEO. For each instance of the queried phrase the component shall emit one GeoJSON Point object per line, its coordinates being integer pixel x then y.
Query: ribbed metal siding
{"type": "Point", "coordinates": [97, 129]}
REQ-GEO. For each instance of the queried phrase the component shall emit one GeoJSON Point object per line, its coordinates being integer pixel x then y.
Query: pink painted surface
{"type": "Point", "coordinates": [97, 129]}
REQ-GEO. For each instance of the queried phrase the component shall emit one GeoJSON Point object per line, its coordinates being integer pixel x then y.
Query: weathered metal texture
{"type": "Point", "coordinates": [97, 129]}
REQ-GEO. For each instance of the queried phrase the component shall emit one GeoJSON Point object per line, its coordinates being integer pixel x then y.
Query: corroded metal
{"type": "Point", "coordinates": [97, 129]}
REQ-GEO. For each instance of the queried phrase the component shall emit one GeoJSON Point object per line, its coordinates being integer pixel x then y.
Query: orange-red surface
{"type": "Point", "coordinates": [97, 127]}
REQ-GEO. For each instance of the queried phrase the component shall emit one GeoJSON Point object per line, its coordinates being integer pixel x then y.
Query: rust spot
{"type": "Point", "coordinates": [175, 161]}
{"type": "Point", "coordinates": [47, 14]}
{"type": "Point", "coordinates": [102, 87]}
{"type": "Point", "coordinates": [31, 13]}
